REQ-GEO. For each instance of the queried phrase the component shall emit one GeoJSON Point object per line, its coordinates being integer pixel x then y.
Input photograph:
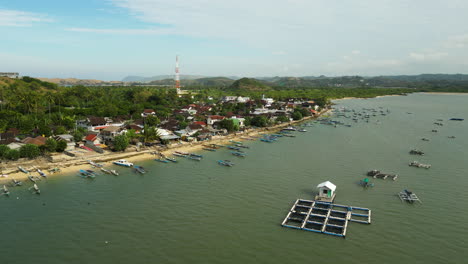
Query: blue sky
{"type": "Point", "coordinates": [110, 39]}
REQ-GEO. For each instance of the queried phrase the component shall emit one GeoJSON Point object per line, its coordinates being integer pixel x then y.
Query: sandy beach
{"type": "Point", "coordinates": [74, 164]}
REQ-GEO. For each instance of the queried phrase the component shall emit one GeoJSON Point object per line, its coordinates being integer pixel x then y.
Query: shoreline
{"type": "Point", "coordinates": [75, 164]}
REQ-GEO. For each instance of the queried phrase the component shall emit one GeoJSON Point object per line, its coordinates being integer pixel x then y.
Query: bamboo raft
{"type": "Point", "coordinates": [324, 217]}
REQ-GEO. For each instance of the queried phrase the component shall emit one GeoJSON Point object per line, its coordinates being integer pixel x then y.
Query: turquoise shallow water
{"type": "Point", "coordinates": [200, 212]}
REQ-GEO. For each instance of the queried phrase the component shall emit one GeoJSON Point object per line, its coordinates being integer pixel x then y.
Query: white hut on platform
{"type": "Point", "coordinates": [326, 192]}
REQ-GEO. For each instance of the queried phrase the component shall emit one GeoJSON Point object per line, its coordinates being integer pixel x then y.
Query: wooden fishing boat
{"type": "Point", "coordinates": [17, 183]}
{"type": "Point", "coordinates": [54, 170]}
{"type": "Point", "coordinates": [23, 169]}
{"type": "Point", "coordinates": [179, 155]}
{"type": "Point", "coordinates": [140, 169]}
{"type": "Point", "coordinates": [162, 160]}
{"type": "Point", "coordinates": [31, 178]}
{"type": "Point", "coordinates": [86, 174]}
{"type": "Point", "coordinates": [5, 191]}
{"type": "Point", "coordinates": [239, 154]}
{"type": "Point", "coordinates": [241, 146]}
{"type": "Point", "coordinates": [195, 155]}
{"type": "Point", "coordinates": [41, 173]}
{"type": "Point", "coordinates": [171, 159]}
{"type": "Point", "coordinates": [36, 189]}
{"type": "Point", "coordinates": [194, 158]}
{"type": "Point", "coordinates": [233, 147]}
{"type": "Point", "coordinates": [227, 163]}
{"type": "Point", "coordinates": [94, 164]}
{"type": "Point", "coordinates": [209, 149]}
{"type": "Point", "coordinates": [116, 173]}
{"type": "Point", "coordinates": [106, 171]}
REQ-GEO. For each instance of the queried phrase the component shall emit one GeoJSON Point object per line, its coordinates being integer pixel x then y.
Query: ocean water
{"type": "Point", "coordinates": [200, 212]}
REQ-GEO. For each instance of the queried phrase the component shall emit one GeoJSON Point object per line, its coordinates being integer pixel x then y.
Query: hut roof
{"type": "Point", "coordinates": [328, 185]}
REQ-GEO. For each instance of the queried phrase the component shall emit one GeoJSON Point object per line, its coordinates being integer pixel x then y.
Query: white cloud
{"type": "Point", "coordinates": [428, 56]}
{"type": "Point", "coordinates": [15, 18]}
{"type": "Point", "coordinates": [458, 41]}
{"type": "Point", "coordinates": [121, 31]}
{"type": "Point", "coordinates": [356, 52]}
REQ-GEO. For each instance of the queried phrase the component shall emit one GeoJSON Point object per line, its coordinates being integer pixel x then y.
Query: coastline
{"type": "Point", "coordinates": [75, 164]}
{"type": "Point", "coordinates": [379, 96]}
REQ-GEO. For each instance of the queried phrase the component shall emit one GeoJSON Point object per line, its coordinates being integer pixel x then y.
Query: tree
{"type": "Point", "coordinates": [282, 118]}
{"type": "Point", "coordinates": [3, 150]}
{"type": "Point", "coordinates": [12, 154]}
{"type": "Point", "coordinates": [152, 120]}
{"type": "Point", "coordinates": [60, 130]}
{"type": "Point", "coordinates": [61, 146]}
{"type": "Point", "coordinates": [150, 133]}
{"type": "Point", "coordinates": [50, 145]}
{"type": "Point", "coordinates": [228, 124]}
{"type": "Point", "coordinates": [120, 143]}
{"type": "Point", "coordinates": [296, 115]}
{"type": "Point", "coordinates": [78, 136]}
{"type": "Point", "coordinates": [45, 130]}
{"type": "Point", "coordinates": [259, 121]}
{"type": "Point", "coordinates": [30, 151]}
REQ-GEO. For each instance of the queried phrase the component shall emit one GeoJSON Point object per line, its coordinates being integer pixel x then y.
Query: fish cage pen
{"type": "Point", "coordinates": [325, 217]}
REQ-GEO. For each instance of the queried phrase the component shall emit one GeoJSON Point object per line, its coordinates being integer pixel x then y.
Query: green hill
{"type": "Point", "coordinates": [249, 84]}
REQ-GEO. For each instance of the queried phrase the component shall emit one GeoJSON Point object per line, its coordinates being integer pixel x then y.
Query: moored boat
{"type": "Point", "coordinates": [87, 174]}
{"type": "Point", "coordinates": [239, 154]}
{"type": "Point", "coordinates": [209, 149]}
{"type": "Point", "coordinates": [123, 162]}
{"type": "Point", "coordinates": [94, 164]}
{"type": "Point", "coordinates": [227, 163]}
{"type": "Point", "coordinates": [17, 183]}
{"type": "Point", "coordinates": [162, 160]}
{"type": "Point", "coordinates": [41, 173]}
{"type": "Point", "coordinates": [171, 159]}
{"type": "Point", "coordinates": [36, 189]}
{"type": "Point", "coordinates": [116, 173]}
{"type": "Point", "coordinates": [5, 191]}
{"type": "Point", "coordinates": [140, 169]}
{"type": "Point", "coordinates": [106, 171]}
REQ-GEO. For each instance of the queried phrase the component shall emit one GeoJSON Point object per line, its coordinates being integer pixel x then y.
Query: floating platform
{"type": "Point", "coordinates": [407, 196]}
{"type": "Point", "coordinates": [324, 217]}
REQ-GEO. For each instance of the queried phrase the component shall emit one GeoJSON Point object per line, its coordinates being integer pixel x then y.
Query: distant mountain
{"type": "Point", "coordinates": [74, 81]}
{"type": "Point", "coordinates": [207, 81]}
{"type": "Point", "coordinates": [159, 78]}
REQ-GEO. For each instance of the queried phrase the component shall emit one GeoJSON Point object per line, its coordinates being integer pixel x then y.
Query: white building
{"type": "Point", "coordinates": [326, 191]}
{"type": "Point", "coordinates": [268, 101]}
{"type": "Point", "coordinates": [13, 75]}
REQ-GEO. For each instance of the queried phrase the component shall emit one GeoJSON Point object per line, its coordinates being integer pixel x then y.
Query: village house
{"type": "Point", "coordinates": [93, 139]}
{"type": "Point", "coordinates": [67, 138]}
{"type": "Point", "coordinates": [38, 141]}
{"type": "Point", "coordinates": [109, 133]}
{"type": "Point", "coordinates": [7, 138]}
{"type": "Point", "coordinates": [93, 123]}
{"type": "Point", "coordinates": [212, 119]}
{"type": "Point", "coordinates": [148, 112]}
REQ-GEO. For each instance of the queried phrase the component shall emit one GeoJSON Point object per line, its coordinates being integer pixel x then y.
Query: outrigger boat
{"type": "Point", "coordinates": [116, 173]}
{"type": "Point", "coordinates": [31, 178]}
{"type": "Point", "coordinates": [86, 174]}
{"type": "Point", "coordinates": [171, 159]}
{"type": "Point", "coordinates": [123, 162]}
{"type": "Point", "coordinates": [227, 163]}
{"type": "Point", "coordinates": [179, 155]}
{"type": "Point", "coordinates": [242, 146]}
{"type": "Point", "coordinates": [94, 164]}
{"type": "Point", "coordinates": [194, 158]}
{"type": "Point", "coordinates": [139, 169]}
{"type": "Point", "coordinates": [162, 160]}
{"type": "Point", "coordinates": [209, 149]}
{"type": "Point", "coordinates": [17, 183]}
{"type": "Point", "coordinates": [195, 155]}
{"type": "Point", "coordinates": [182, 153]}
{"type": "Point", "coordinates": [416, 152]}
{"type": "Point", "coordinates": [41, 173]}
{"type": "Point", "coordinates": [23, 169]}
{"type": "Point", "coordinates": [302, 130]}
{"type": "Point", "coordinates": [236, 142]}
{"type": "Point", "coordinates": [36, 189]}
{"type": "Point", "coordinates": [106, 171]}
{"type": "Point", "coordinates": [290, 128]}
{"type": "Point", "coordinates": [266, 140]}
{"type": "Point", "coordinates": [239, 154]}
{"type": "Point", "coordinates": [54, 170]}
{"type": "Point", "coordinates": [5, 191]}
{"type": "Point", "coordinates": [233, 147]}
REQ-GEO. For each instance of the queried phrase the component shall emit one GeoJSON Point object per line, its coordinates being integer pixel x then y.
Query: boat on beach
{"type": "Point", "coordinates": [23, 169]}
{"type": "Point", "coordinates": [54, 170]}
{"type": "Point", "coordinates": [94, 164]}
{"type": "Point", "coordinates": [41, 173]}
{"type": "Point", "coordinates": [123, 162]}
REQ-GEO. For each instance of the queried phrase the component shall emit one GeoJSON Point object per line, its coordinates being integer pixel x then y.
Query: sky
{"type": "Point", "coordinates": [111, 39]}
